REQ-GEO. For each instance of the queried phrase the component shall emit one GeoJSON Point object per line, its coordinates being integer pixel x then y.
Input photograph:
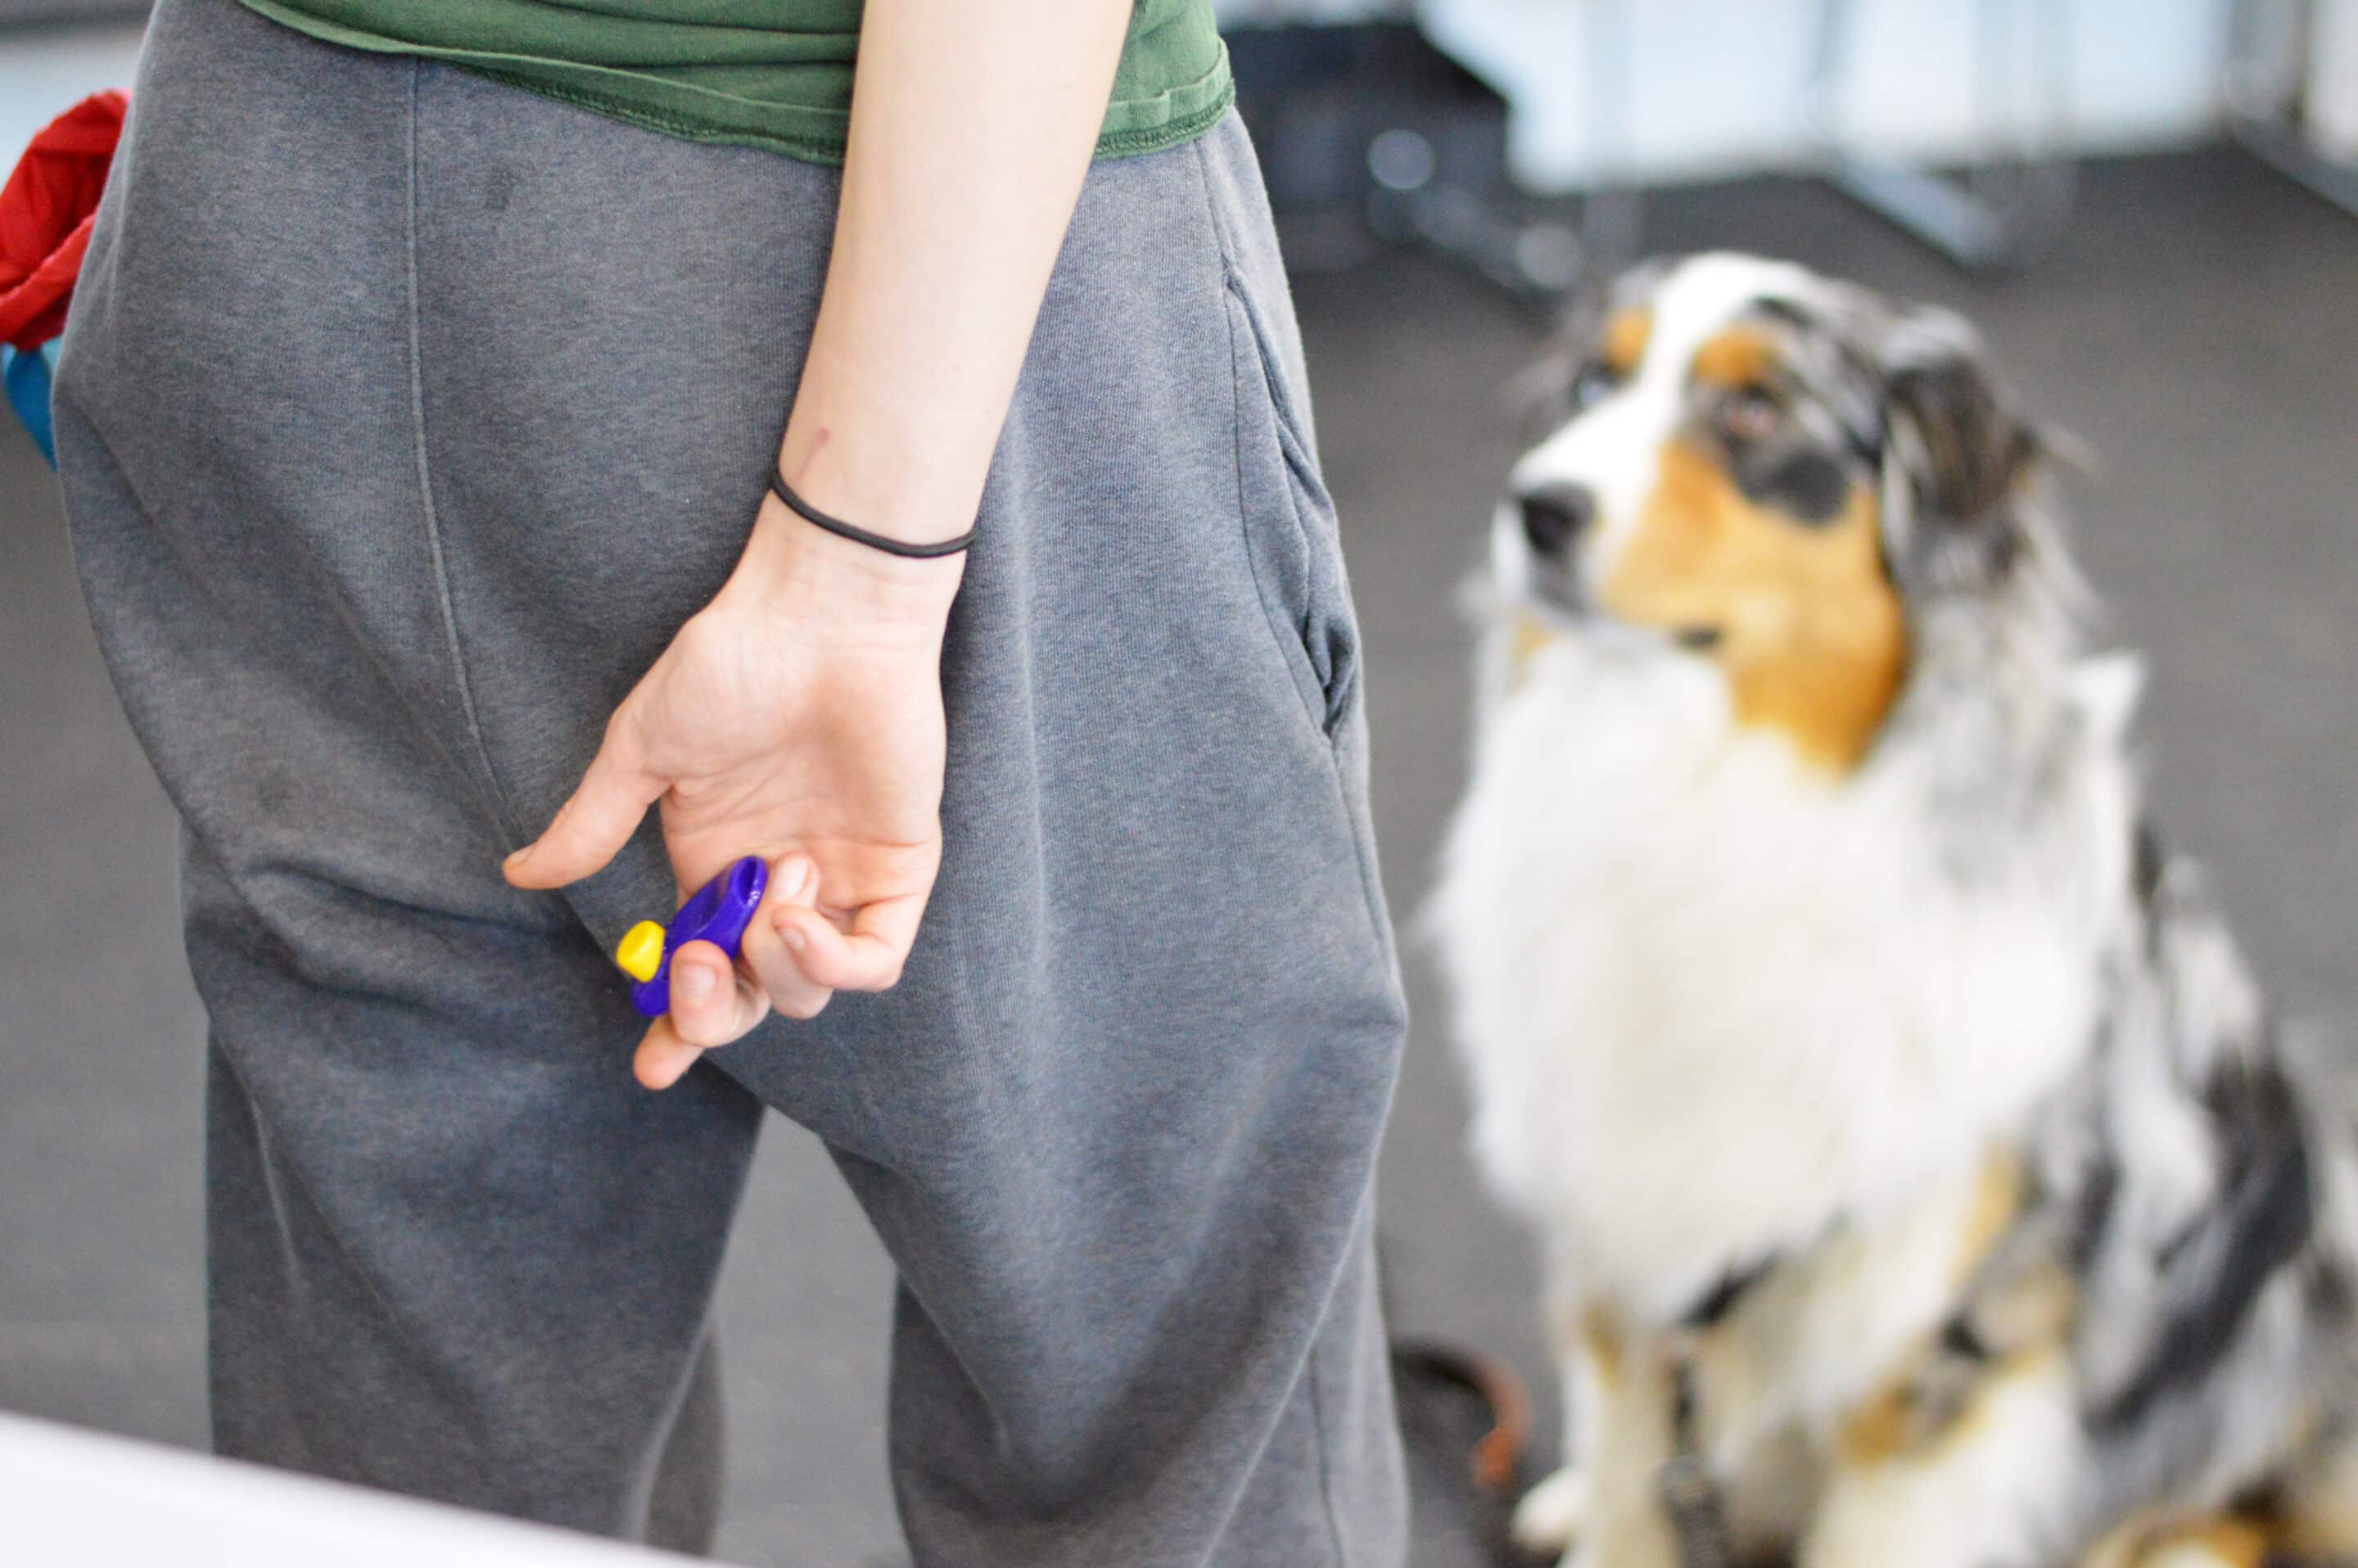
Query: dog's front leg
{"type": "Point", "coordinates": [1552, 1514]}
{"type": "Point", "coordinates": [1630, 1440]}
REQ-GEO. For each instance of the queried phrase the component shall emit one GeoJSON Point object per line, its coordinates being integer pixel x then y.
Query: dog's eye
{"type": "Point", "coordinates": [1748, 415]}
{"type": "Point", "coordinates": [1595, 380]}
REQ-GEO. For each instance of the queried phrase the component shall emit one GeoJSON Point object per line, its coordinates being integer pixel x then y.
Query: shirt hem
{"type": "Point", "coordinates": [809, 133]}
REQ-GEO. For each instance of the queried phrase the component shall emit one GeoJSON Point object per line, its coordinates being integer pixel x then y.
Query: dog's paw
{"type": "Point", "coordinates": [1551, 1515]}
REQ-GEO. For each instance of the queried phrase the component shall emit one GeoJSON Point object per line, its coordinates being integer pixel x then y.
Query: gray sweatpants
{"type": "Point", "coordinates": [402, 419]}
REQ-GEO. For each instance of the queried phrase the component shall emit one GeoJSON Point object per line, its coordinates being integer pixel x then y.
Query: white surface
{"type": "Point", "coordinates": [1715, 86]}
{"type": "Point", "coordinates": [75, 1498]}
{"type": "Point", "coordinates": [45, 72]}
{"type": "Point", "coordinates": [2333, 78]}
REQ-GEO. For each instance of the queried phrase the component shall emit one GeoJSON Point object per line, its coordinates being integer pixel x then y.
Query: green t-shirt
{"type": "Point", "coordinates": [765, 73]}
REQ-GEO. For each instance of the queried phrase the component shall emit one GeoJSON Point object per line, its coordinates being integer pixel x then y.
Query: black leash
{"type": "Point", "coordinates": [1685, 1487]}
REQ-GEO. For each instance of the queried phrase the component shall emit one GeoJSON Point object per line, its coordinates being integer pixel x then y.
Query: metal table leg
{"type": "Point", "coordinates": [2268, 42]}
{"type": "Point", "coordinates": [1997, 217]}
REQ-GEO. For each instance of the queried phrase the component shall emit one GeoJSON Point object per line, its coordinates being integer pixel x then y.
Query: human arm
{"type": "Point", "coordinates": [799, 714]}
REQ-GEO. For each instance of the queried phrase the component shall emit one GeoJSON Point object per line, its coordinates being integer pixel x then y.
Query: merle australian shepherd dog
{"type": "Point", "coordinates": [1919, 1177]}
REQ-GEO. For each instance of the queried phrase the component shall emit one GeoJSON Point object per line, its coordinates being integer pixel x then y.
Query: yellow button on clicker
{"type": "Point", "coordinates": [641, 950]}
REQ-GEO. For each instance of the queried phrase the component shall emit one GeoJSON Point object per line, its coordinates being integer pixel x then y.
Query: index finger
{"type": "Point", "coordinates": [868, 958]}
{"type": "Point", "coordinates": [592, 825]}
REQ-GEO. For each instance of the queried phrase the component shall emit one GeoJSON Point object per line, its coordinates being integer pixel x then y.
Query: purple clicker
{"type": "Point", "coordinates": [719, 914]}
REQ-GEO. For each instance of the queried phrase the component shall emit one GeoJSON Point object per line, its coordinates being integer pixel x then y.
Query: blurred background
{"type": "Point", "coordinates": [2145, 204]}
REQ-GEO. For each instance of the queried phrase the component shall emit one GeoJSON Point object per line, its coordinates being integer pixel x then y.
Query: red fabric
{"type": "Point", "coordinates": [45, 216]}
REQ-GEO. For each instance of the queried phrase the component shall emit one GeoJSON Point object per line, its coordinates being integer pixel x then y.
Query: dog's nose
{"type": "Point", "coordinates": [1554, 517]}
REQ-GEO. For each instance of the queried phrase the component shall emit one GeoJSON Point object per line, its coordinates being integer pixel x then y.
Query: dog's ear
{"type": "Point", "coordinates": [1966, 452]}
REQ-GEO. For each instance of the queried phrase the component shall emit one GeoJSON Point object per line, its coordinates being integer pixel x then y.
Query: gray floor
{"type": "Point", "coordinates": [2200, 332]}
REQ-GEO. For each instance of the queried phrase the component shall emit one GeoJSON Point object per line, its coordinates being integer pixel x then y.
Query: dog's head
{"type": "Point", "coordinates": [1774, 472]}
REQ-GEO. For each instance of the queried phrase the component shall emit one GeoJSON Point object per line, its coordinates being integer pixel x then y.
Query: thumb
{"type": "Point", "coordinates": [591, 827]}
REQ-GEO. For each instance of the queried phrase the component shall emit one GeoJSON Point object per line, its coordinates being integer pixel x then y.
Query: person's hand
{"type": "Point", "coordinates": [798, 716]}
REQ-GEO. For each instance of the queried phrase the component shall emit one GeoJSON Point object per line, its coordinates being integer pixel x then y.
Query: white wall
{"type": "Point", "coordinates": [2334, 79]}
{"type": "Point", "coordinates": [1716, 87]}
{"type": "Point", "coordinates": [45, 71]}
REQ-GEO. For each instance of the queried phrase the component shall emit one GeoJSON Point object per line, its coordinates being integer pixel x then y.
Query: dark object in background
{"type": "Point", "coordinates": [1369, 135]}
{"type": "Point", "coordinates": [1316, 99]}
{"type": "Point", "coordinates": [1465, 1418]}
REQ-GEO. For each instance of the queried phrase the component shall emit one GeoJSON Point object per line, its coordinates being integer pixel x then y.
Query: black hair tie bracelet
{"type": "Point", "coordinates": [859, 535]}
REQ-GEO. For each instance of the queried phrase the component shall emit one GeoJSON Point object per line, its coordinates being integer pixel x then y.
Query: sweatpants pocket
{"type": "Point", "coordinates": [1291, 533]}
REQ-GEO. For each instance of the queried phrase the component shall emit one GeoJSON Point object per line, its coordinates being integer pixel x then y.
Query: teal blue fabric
{"type": "Point", "coordinates": [26, 375]}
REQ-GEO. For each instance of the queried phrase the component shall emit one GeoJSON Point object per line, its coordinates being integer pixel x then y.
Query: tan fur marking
{"type": "Point", "coordinates": [1996, 1202]}
{"type": "Point", "coordinates": [2325, 1531]}
{"type": "Point", "coordinates": [1625, 1524]}
{"type": "Point", "coordinates": [2222, 1541]}
{"type": "Point", "coordinates": [1886, 1426]}
{"type": "Point", "coordinates": [1740, 357]}
{"type": "Point", "coordinates": [2239, 1543]}
{"type": "Point", "coordinates": [1626, 333]}
{"type": "Point", "coordinates": [1891, 1424]}
{"type": "Point", "coordinates": [1602, 1336]}
{"type": "Point", "coordinates": [2322, 1522]}
{"type": "Point", "coordinates": [2036, 1309]}
{"type": "Point", "coordinates": [1811, 629]}
{"type": "Point", "coordinates": [2118, 1548]}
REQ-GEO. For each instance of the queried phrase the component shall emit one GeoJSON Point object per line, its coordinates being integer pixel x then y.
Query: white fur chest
{"type": "Point", "coordinates": [1713, 1003]}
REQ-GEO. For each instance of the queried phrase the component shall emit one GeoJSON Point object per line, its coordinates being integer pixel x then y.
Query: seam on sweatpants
{"type": "Point", "coordinates": [1319, 1435]}
{"type": "Point", "coordinates": [1284, 631]}
{"type": "Point", "coordinates": [1371, 895]}
{"type": "Point", "coordinates": [1296, 458]}
{"type": "Point", "coordinates": [510, 830]}
{"type": "Point", "coordinates": [1220, 244]}
{"type": "Point", "coordinates": [1361, 1242]}
{"type": "Point", "coordinates": [63, 400]}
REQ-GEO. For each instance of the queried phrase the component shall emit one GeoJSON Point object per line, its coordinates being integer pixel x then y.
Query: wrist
{"type": "Point", "coordinates": [842, 529]}
{"type": "Point", "coordinates": [789, 562]}
{"type": "Point", "coordinates": [882, 475]}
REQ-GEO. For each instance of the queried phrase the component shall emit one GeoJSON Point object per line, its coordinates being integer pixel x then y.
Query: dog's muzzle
{"type": "Point", "coordinates": [1541, 530]}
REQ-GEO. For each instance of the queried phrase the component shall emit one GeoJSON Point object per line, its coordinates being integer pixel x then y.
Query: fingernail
{"type": "Point", "coordinates": [792, 876]}
{"type": "Point", "coordinates": [511, 861]}
{"type": "Point", "coordinates": [693, 982]}
{"type": "Point", "coordinates": [793, 937]}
